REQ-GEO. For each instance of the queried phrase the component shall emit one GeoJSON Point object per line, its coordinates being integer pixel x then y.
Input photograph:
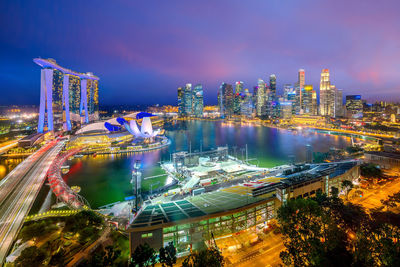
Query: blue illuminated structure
{"type": "Point", "coordinates": [112, 128]}
{"type": "Point", "coordinates": [142, 115]}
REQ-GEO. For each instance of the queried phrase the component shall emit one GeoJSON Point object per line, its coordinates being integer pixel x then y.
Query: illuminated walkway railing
{"type": "Point", "coordinates": [51, 213]}
{"type": "Point", "coordinates": [62, 191]}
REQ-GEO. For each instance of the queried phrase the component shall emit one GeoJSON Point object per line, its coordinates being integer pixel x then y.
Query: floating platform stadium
{"type": "Point", "coordinates": [231, 208]}
{"type": "Point", "coordinates": [132, 133]}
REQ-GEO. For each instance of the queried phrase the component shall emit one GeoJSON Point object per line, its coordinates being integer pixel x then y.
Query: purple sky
{"type": "Point", "coordinates": [143, 50]}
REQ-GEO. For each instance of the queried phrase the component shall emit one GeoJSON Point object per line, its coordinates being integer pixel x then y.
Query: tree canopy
{"type": "Point", "coordinates": [324, 231]}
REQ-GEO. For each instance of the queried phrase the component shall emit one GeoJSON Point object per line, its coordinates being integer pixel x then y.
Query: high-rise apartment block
{"type": "Point", "coordinates": [66, 97]}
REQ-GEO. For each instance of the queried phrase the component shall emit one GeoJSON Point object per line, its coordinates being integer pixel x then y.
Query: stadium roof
{"type": "Point", "coordinates": [195, 206]}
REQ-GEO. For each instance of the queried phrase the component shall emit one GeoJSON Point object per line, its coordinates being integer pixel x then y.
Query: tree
{"type": "Point", "coordinates": [85, 234]}
{"type": "Point", "coordinates": [111, 255]}
{"type": "Point", "coordinates": [370, 170]}
{"type": "Point", "coordinates": [347, 186]}
{"type": "Point", "coordinates": [210, 257]}
{"type": "Point", "coordinates": [311, 235]}
{"type": "Point", "coordinates": [334, 192]}
{"type": "Point", "coordinates": [144, 255]}
{"type": "Point", "coordinates": [168, 255]}
{"type": "Point", "coordinates": [31, 256]}
{"type": "Point", "coordinates": [58, 259]}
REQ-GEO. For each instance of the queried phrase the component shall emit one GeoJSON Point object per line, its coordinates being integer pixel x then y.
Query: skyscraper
{"type": "Point", "coordinates": [271, 97]}
{"type": "Point", "coordinates": [225, 100]}
{"type": "Point", "coordinates": [259, 93]}
{"type": "Point", "coordinates": [180, 101]}
{"type": "Point", "coordinates": [338, 103]}
{"type": "Point", "coordinates": [246, 107]}
{"type": "Point", "coordinates": [354, 106]}
{"type": "Point", "coordinates": [299, 86]}
{"type": "Point", "coordinates": [314, 103]}
{"type": "Point", "coordinates": [198, 101]}
{"type": "Point", "coordinates": [238, 98]}
{"type": "Point", "coordinates": [188, 100]}
{"type": "Point", "coordinates": [66, 96]}
{"type": "Point", "coordinates": [327, 100]}
{"type": "Point", "coordinates": [306, 105]}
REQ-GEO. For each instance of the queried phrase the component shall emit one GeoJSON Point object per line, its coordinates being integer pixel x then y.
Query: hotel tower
{"type": "Point", "coordinates": [66, 97]}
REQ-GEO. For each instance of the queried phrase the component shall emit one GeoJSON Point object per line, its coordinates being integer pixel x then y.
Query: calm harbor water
{"type": "Point", "coordinates": [105, 178]}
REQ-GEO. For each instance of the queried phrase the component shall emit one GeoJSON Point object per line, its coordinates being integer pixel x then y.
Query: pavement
{"type": "Point", "coordinates": [18, 191]}
{"type": "Point", "coordinates": [243, 250]}
{"type": "Point", "coordinates": [372, 197]}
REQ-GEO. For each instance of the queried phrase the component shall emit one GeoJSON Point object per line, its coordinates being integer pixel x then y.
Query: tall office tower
{"type": "Point", "coordinates": [225, 100]}
{"type": "Point", "coordinates": [338, 103]}
{"type": "Point", "coordinates": [246, 107]}
{"type": "Point", "coordinates": [66, 97]}
{"type": "Point", "coordinates": [259, 93]}
{"type": "Point", "coordinates": [314, 103]}
{"type": "Point", "coordinates": [287, 89]}
{"type": "Point", "coordinates": [238, 97]}
{"type": "Point", "coordinates": [299, 86]}
{"type": "Point", "coordinates": [188, 100]}
{"type": "Point", "coordinates": [180, 101]}
{"type": "Point", "coordinates": [354, 106]}
{"type": "Point", "coordinates": [298, 99]}
{"type": "Point", "coordinates": [306, 105]}
{"type": "Point", "coordinates": [221, 101]}
{"type": "Point", "coordinates": [228, 100]}
{"type": "Point", "coordinates": [302, 78]}
{"type": "Point", "coordinates": [239, 87]}
{"type": "Point", "coordinates": [198, 103]}
{"type": "Point", "coordinates": [326, 96]}
{"type": "Point", "coordinates": [272, 86]}
{"type": "Point", "coordinates": [272, 104]}
{"type": "Point", "coordinates": [289, 94]}
{"type": "Point", "coordinates": [286, 110]}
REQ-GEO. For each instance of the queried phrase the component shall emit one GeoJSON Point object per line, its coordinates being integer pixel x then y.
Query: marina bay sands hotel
{"type": "Point", "coordinates": [67, 97]}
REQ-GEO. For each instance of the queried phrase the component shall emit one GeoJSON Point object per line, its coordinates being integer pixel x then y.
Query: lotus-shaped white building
{"type": "Point", "coordinates": [146, 129]}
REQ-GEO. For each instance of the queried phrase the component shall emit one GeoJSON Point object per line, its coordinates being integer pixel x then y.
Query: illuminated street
{"type": "Point", "coordinates": [18, 192]}
{"type": "Point", "coordinates": [264, 252]}
{"type": "Point", "coordinates": [372, 197]}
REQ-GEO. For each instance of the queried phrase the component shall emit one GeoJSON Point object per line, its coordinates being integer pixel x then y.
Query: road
{"type": "Point", "coordinates": [7, 146]}
{"type": "Point", "coordinates": [18, 192]}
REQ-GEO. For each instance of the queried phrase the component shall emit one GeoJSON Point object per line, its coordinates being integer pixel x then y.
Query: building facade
{"type": "Point", "coordinates": [327, 95]}
{"type": "Point", "coordinates": [354, 106]}
{"type": "Point", "coordinates": [198, 102]}
{"type": "Point", "coordinates": [66, 97]}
